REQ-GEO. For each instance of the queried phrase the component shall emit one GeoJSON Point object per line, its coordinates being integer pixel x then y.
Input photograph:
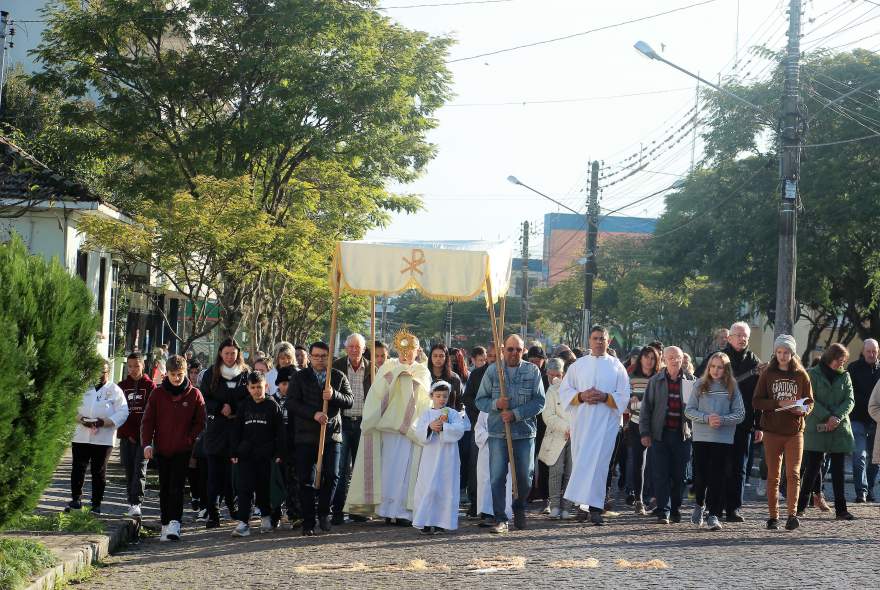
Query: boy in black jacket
{"type": "Point", "coordinates": [306, 418]}
{"type": "Point", "coordinates": [257, 438]}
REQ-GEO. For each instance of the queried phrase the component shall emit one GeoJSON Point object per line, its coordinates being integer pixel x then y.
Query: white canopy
{"type": "Point", "coordinates": [452, 270]}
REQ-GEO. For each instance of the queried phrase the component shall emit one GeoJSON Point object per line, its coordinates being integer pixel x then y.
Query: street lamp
{"type": "Point", "coordinates": [649, 52]}
{"type": "Point", "coordinates": [790, 146]}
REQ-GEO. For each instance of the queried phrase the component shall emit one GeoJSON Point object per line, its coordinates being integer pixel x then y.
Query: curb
{"type": "Point", "coordinates": [91, 551]}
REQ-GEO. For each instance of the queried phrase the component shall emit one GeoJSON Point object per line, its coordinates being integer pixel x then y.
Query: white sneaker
{"type": "Point", "coordinates": [266, 524]}
{"type": "Point", "coordinates": [242, 530]}
{"type": "Point", "coordinates": [555, 513]}
{"type": "Point", "coordinates": [173, 532]}
{"type": "Point", "coordinates": [762, 488]}
{"type": "Point", "coordinates": [164, 534]}
{"type": "Point", "coordinates": [134, 511]}
{"type": "Point", "coordinates": [565, 515]}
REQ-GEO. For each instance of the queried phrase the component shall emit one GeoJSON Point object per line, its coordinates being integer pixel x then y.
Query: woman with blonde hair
{"type": "Point", "coordinates": [285, 356]}
{"type": "Point", "coordinates": [783, 395]}
{"type": "Point", "coordinates": [715, 408]}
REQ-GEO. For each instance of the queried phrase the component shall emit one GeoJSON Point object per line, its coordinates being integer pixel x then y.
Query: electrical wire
{"type": "Point", "coordinates": [581, 33]}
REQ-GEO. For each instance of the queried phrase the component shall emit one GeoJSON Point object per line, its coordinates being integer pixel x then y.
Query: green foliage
{"type": "Point", "coordinates": [21, 559]}
{"type": "Point", "coordinates": [75, 521]}
{"type": "Point", "coordinates": [48, 353]}
{"type": "Point", "coordinates": [722, 224]}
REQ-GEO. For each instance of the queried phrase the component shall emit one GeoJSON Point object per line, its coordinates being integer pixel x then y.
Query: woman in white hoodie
{"type": "Point", "coordinates": [556, 447]}
{"type": "Point", "coordinates": [103, 410]}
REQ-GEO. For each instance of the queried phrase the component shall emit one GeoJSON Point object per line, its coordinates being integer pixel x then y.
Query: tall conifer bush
{"type": "Point", "coordinates": [47, 360]}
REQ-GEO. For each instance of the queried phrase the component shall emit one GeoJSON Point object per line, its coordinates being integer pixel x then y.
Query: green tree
{"type": "Point", "coordinates": [48, 353]}
{"type": "Point", "coordinates": [723, 223]}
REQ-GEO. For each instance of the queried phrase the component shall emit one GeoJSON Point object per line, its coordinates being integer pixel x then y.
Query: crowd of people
{"type": "Point", "coordinates": [303, 440]}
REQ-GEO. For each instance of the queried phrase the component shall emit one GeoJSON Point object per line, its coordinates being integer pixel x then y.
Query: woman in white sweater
{"type": "Point", "coordinates": [556, 447]}
{"type": "Point", "coordinates": [103, 410]}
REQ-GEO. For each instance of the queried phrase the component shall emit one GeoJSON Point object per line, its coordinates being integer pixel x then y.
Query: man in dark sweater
{"type": "Point", "coordinates": [257, 438]}
{"type": "Point", "coordinates": [468, 398]}
{"type": "Point", "coordinates": [865, 372]}
{"type": "Point", "coordinates": [137, 388]}
{"type": "Point", "coordinates": [306, 418]}
{"type": "Point", "coordinates": [746, 367]}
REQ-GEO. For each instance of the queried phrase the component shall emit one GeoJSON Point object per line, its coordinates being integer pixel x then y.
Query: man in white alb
{"type": "Point", "coordinates": [595, 391]}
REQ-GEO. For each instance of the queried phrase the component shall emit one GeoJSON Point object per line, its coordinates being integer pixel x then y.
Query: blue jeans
{"type": "Point", "coordinates": [671, 456]}
{"type": "Point", "coordinates": [524, 462]}
{"type": "Point", "coordinates": [348, 448]}
{"type": "Point", "coordinates": [864, 479]}
{"type": "Point", "coordinates": [734, 483]}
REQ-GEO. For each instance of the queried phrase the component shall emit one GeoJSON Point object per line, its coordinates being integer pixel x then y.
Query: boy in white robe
{"type": "Point", "coordinates": [437, 491]}
{"type": "Point", "coordinates": [484, 480]}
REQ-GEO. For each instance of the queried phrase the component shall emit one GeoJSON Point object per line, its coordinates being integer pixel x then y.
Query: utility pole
{"type": "Point", "coordinates": [4, 25]}
{"type": "Point", "coordinates": [448, 324]}
{"type": "Point", "coordinates": [524, 295]}
{"type": "Point", "coordinates": [791, 138]}
{"type": "Point", "coordinates": [590, 254]}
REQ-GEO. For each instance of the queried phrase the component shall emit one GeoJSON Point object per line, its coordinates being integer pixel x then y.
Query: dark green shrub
{"type": "Point", "coordinates": [48, 358]}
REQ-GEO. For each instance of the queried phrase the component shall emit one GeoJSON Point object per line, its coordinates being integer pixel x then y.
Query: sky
{"type": "Point", "coordinates": [482, 138]}
{"type": "Point", "coordinates": [544, 113]}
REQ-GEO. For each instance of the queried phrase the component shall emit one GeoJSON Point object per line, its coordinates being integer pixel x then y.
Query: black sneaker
{"type": "Point", "coordinates": [519, 520]}
{"type": "Point", "coordinates": [357, 518]}
{"type": "Point", "coordinates": [404, 522]}
{"type": "Point", "coordinates": [428, 530]}
{"type": "Point", "coordinates": [870, 498]}
{"type": "Point", "coordinates": [596, 518]}
{"type": "Point", "coordinates": [792, 523]}
{"type": "Point", "coordinates": [630, 499]}
{"type": "Point", "coordinates": [308, 533]}
{"type": "Point", "coordinates": [212, 523]}
{"type": "Point", "coordinates": [73, 505]}
{"type": "Point", "coordinates": [675, 516]}
{"type": "Point", "coordinates": [389, 521]}
{"type": "Point", "coordinates": [338, 519]}
{"type": "Point", "coordinates": [662, 519]}
{"type": "Point", "coordinates": [324, 523]}
{"type": "Point", "coordinates": [861, 498]}
{"type": "Point", "coordinates": [845, 516]}
{"type": "Point", "coordinates": [96, 509]}
{"type": "Point", "coordinates": [735, 517]}
{"type": "Point", "coordinates": [773, 524]}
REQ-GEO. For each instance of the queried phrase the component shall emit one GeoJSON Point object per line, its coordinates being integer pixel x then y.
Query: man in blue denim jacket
{"type": "Point", "coordinates": [524, 401]}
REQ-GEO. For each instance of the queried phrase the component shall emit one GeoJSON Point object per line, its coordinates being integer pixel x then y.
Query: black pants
{"type": "Point", "coordinates": [197, 475]}
{"type": "Point", "coordinates": [219, 484]}
{"type": "Point", "coordinates": [172, 480]}
{"type": "Point", "coordinates": [85, 454]}
{"type": "Point", "coordinates": [813, 461]}
{"type": "Point", "coordinates": [132, 456]}
{"type": "Point", "coordinates": [348, 449]}
{"type": "Point", "coordinates": [254, 476]}
{"type": "Point", "coordinates": [541, 481]}
{"type": "Point", "coordinates": [710, 466]}
{"type": "Point", "coordinates": [306, 460]}
{"type": "Point", "coordinates": [291, 492]}
{"type": "Point", "coordinates": [734, 483]}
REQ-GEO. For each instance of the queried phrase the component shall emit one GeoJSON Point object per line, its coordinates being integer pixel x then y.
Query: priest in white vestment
{"type": "Point", "coordinates": [595, 391]}
{"type": "Point", "coordinates": [384, 475]}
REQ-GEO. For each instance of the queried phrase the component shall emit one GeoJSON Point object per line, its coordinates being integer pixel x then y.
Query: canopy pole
{"type": "Point", "coordinates": [503, 302]}
{"type": "Point", "coordinates": [372, 338]}
{"type": "Point", "coordinates": [499, 366]}
{"type": "Point", "coordinates": [327, 387]}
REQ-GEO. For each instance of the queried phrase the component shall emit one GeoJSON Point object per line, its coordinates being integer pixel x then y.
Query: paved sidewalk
{"type": "Point", "coordinates": [548, 554]}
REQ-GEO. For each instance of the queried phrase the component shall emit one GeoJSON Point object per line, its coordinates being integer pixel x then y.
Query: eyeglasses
{"type": "Point", "coordinates": [512, 349]}
{"type": "Point", "coordinates": [319, 356]}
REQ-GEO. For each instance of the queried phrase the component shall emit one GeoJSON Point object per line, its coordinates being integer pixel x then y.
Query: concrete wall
{"type": "Point", "coordinates": [53, 235]}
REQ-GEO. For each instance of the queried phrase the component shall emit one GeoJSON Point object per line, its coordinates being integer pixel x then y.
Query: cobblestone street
{"type": "Point", "coordinates": [823, 552]}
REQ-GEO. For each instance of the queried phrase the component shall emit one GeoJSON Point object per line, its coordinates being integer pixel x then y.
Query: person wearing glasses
{"type": "Point", "coordinates": [523, 401]}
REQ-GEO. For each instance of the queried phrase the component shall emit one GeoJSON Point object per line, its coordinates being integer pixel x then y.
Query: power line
{"type": "Point", "coordinates": [443, 4]}
{"type": "Point", "coordinates": [582, 33]}
{"type": "Point", "coordinates": [563, 100]}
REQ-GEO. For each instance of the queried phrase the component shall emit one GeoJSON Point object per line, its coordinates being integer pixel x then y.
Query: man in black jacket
{"type": "Point", "coordinates": [306, 418]}
{"type": "Point", "coordinates": [468, 398]}
{"type": "Point", "coordinates": [357, 370]}
{"type": "Point", "coordinates": [864, 373]}
{"type": "Point", "coordinates": [746, 367]}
